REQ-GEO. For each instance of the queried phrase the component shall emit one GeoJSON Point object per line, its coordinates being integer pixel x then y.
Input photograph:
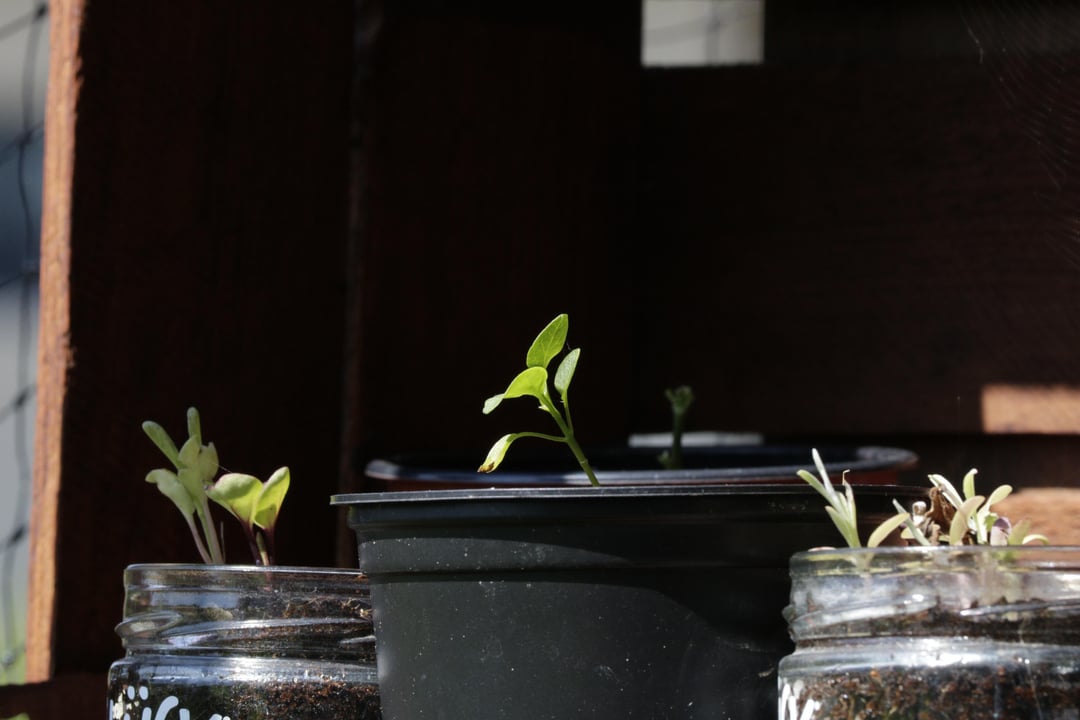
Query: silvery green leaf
{"type": "Point", "coordinates": [171, 488]}
{"type": "Point", "coordinates": [161, 438]}
{"type": "Point", "coordinates": [969, 483]}
{"type": "Point", "coordinates": [947, 489]}
{"type": "Point", "coordinates": [960, 525]}
{"type": "Point", "coordinates": [812, 480]}
{"type": "Point", "coordinates": [886, 528]}
{"type": "Point", "coordinates": [194, 425]}
{"type": "Point", "coordinates": [192, 480]}
{"type": "Point", "coordinates": [850, 534]}
{"type": "Point", "coordinates": [1000, 493]}
{"type": "Point", "coordinates": [189, 453]}
{"type": "Point", "coordinates": [208, 462]}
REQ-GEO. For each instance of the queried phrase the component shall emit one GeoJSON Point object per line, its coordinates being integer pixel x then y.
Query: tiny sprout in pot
{"type": "Point", "coordinates": [533, 382]}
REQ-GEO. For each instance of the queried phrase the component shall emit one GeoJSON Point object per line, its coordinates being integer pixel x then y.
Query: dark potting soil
{"type": "Point", "coordinates": [270, 699]}
{"type": "Point", "coordinates": [956, 693]}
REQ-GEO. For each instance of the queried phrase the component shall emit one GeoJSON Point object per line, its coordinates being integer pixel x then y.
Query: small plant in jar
{"type": "Point", "coordinates": [966, 616]}
{"type": "Point", "coordinates": [256, 641]}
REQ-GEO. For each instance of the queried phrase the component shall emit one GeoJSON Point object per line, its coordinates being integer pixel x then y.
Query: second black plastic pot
{"type": "Point", "coordinates": [614, 602]}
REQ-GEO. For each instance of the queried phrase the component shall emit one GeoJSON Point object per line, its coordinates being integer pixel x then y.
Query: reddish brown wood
{"type": "Point", "coordinates": [54, 352]}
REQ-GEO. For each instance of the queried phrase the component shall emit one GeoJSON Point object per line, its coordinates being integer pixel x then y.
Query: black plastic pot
{"type": "Point", "coordinates": [711, 465]}
{"type": "Point", "coordinates": [613, 602]}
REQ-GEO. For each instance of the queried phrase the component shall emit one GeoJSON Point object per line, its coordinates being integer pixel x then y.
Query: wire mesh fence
{"type": "Point", "coordinates": [23, 60]}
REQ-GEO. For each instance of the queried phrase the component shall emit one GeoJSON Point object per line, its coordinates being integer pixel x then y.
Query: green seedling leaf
{"type": "Point", "coordinates": [497, 453]}
{"type": "Point", "coordinates": [841, 507]}
{"type": "Point", "coordinates": [1000, 493]}
{"type": "Point", "coordinates": [161, 438]}
{"type": "Point", "coordinates": [194, 425]}
{"type": "Point", "coordinates": [237, 493]}
{"type": "Point", "coordinates": [960, 522]}
{"type": "Point", "coordinates": [681, 398]}
{"type": "Point", "coordinates": [208, 463]}
{"type": "Point", "coordinates": [813, 482]}
{"type": "Point", "coordinates": [530, 382]}
{"type": "Point", "coordinates": [948, 490]}
{"type": "Point", "coordinates": [565, 372]}
{"type": "Point", "coordinates": [270, 499]}
{"type": "Point", "coordinates": [493, 402]}
{"type": "Point", "coordinates": [886, 528]}
{"type": "Point", "coordinates": [192, 480]}
{"type": "Point", "coordinates": [969, 483]}
{"type": "Point", "coordinates": [189, 453]}
{"type": "Point", "coordinates": [171, 488]}
{"type": "Point", "coordinates": [548, 343]}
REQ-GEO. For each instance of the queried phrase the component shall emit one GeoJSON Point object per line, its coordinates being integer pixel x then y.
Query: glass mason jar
{"type": "Point", "coordinates": [235, 642]}
{"type": "Point", "coordinates": [933, 632]}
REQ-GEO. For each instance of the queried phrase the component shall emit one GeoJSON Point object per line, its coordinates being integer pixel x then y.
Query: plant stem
{"type": "Point", "coordinates": [203, 511]}
{"type": "Point", "coordinates": [198, 540]}
{"type": "Point", "coordinates": [568, 437]}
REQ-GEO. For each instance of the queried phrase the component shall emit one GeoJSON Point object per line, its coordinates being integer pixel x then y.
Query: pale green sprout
{"type": "Point", "coordinates": [533, 382]}
{"type": "Point", "coordinates": [680, 398]}
{"type": "Point", "coordinates": [841, 507]}
{"type": "Point", "coordinates": [254, 503]}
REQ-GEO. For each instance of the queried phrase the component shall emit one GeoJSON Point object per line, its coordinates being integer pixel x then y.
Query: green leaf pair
{"type": "Point", "coordinates": [255, 504]}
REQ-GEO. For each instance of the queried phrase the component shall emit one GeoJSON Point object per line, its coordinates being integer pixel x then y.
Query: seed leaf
{"type": "Point", "coordinates": [161, 438]}
{"type": "Point", "coordinates": [565, 373]}
{"type": "Point", "coordinates": [237, 493]}
{"type": "Point", "coordinates": [497, 453]}
{"type": "Point", "coordinates": [548, 343]}
{"type": "Point", "coordinates": [270, 499]}
{"type": "Point", "coordinates": [171, 488]}
{"type": "Point", "coordinates": [531, 381]}
{"type": "Point", "coordinates": [194, 425]}
{"type": "Point", "coordinates": [886, 528]}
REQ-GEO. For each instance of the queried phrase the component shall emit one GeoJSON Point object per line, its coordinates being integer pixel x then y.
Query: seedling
{"type": "Point", "coordinates": [254, 503]}
{"type": "Point", "coordinates": [533, 382]}
{"type": "Point", "coordinates": [680, 399]}
{"type": "Point", "coordinates": [950, 519]}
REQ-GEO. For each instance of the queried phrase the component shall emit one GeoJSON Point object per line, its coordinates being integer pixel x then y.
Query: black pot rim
{"type": "Point", "coordinates": [771, 464]}
{"type": "Point", "coordinates": [546, 494]}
